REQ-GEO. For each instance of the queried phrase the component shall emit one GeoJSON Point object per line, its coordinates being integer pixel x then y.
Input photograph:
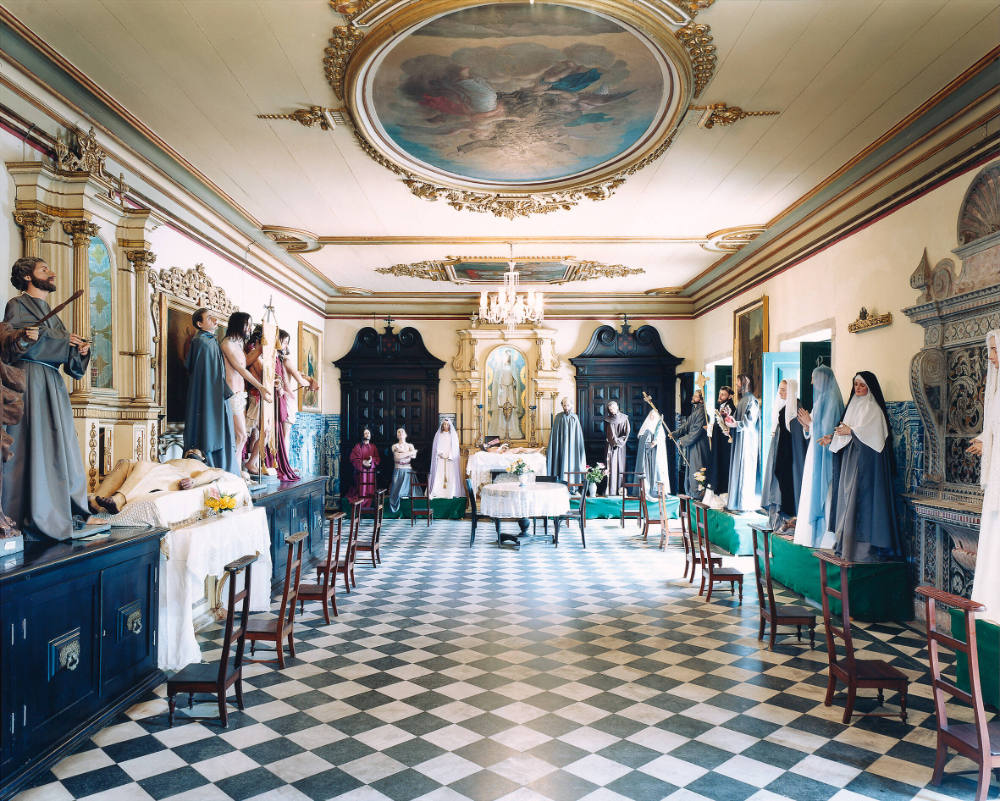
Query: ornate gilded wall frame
{"type": "Point", "coordinates": [490, 269]}
{"type": "Point", "coordinates": [497, 134]}
{"type": "Point", "coordinates": [867, 321]}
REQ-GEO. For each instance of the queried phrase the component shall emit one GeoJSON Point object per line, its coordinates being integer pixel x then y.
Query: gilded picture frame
{"type": "Point", "coordinates": [310, 359]}
{"type": "Point", "coordinates": [751, 339]}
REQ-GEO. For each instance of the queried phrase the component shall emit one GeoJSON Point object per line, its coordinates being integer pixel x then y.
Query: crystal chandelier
{"type": "Point", "coordinates": [508, 307]}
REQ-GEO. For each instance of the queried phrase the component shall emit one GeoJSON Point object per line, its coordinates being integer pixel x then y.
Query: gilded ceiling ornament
{"type": "Point", "coordinates": [476, 137]}
{"type": "Point", "coordinates": [721, 114]}
{"type": "Point", "coordinates": [729, 240]}
{"type": "Point", "coordinates": [586, 270]}
{"type": "Point", "coordinates": [193, 285]}
{"type": "Point", "coordinates": [489, 269]}
{"type": "Point", "coordinates": [291, 241]}
{"type": "Point", "coordinates": [428, 270]}
{"type": "Point", "coordinates": [697, 38]}
{"type": "Point", "coordinates": [80, 154]}
{"type": "Point", "coordinates": [326, 118]}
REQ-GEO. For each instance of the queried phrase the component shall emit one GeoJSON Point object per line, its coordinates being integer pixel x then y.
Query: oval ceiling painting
{"type": "Point", "coordinates": [518, 94]}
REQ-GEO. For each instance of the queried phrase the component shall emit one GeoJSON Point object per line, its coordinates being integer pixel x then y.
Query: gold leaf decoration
{"type": "Point", "coordinates": [697, 40]}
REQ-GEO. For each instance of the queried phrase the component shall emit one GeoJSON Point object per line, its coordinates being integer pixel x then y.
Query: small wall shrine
{"type": "Point", "coordinates": [958, 306]}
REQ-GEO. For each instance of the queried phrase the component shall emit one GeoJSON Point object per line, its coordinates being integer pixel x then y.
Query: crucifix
{"type": "Point", "coordinates": [700, 382]}
{"type": "Point", "coordinates": [388, 321]}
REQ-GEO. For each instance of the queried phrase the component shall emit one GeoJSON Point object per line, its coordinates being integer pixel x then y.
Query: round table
{"type": "Point", "coordinates": [511, 500]}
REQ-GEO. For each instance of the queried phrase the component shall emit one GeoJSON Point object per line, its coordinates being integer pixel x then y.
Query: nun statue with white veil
{"type": "Point", "coordinates": [811, 527]}
{"type": "Point", "coordinates": [445, 479]}
{"type": "Point", "coordinates": [743, 458]}
{"type": "Point", "coordinates": [862, 496]}
{"type": "Point", "coordinates": [651, 454]}
{"type": "Point", "coordinates": [782, 477]}
{"type": "Point", "coordinates": [985, 586]}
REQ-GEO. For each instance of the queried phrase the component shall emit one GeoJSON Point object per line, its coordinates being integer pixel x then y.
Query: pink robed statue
{"type": "Point", "coordinates": [364, 459]}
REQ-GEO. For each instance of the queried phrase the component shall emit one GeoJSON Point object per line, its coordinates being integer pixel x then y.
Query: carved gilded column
{"type": "Point", "coordinates": [140, 261]}
{"type": "Point", "coordinates": [34, 225]}
{"type": "Point", "coordinates": [81, 232]}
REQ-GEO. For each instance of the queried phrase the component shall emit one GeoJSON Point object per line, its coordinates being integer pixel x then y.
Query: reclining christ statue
{"type": "Point", "coordinates": [131, 480]}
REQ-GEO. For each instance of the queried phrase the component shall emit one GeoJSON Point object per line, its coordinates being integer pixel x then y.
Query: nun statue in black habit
{"type": "Point", "coordinates": [782, 482]}
{"type": "Point", "coordinates": [862, 502]}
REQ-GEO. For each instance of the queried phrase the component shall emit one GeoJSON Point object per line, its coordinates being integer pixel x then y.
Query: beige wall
{"type": "Point", "coordinates": [871, 268]}
{"type": "Point", "coordinates": [441, 339]}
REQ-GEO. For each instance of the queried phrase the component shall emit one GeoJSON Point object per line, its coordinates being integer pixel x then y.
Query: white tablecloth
{"type": "Point", "coordinates": [203, 549]}
{"type": "Point", "coordinates": [482, 462]}
{"type": "Point", "coordinates": [534, 500]}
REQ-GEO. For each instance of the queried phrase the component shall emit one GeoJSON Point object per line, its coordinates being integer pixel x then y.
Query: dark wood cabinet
{"type": "Point", "coordinates": [387, 380]}
{"type": "Point", "coordinates": [78, 623]}
{"type": "Point", "coordinates": [619, 366]}
{"type": "Point", "coordinates": [294, 506]}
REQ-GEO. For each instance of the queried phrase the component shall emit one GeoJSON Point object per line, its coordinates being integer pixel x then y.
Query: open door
{"type": "Point", "coordinates": [778, 367]}
{"type": "Point", "coordinates": [811, 356]}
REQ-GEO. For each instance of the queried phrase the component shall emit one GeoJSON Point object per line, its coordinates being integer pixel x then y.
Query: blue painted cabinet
{"type": "Point", "coordinates": [292, 507]}
{"type": "Point", "coordinates": [78, 623]}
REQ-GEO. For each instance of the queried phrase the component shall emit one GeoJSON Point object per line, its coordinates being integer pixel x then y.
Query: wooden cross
{"type": "Point", "coordinates": [700, 381]}
{"type": "Point", "coordinates": [388, 321]}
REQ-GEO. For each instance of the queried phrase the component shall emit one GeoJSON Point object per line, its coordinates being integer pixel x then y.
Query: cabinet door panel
{"type": "Point", "coordinates": [127, 623]}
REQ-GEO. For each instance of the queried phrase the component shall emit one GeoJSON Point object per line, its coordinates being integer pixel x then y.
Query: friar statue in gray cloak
{"type": "Point", "coordinates": [565, 452]}
{"type": "Point", "coordinates": [208, 426]}
{"type": "Point", "coordinates": [743, 460]}
{"type": "Point", "coordinates": [44, 485]}
{"type": "Point", "coordinates": [692, 438]}
{"type": "Point", "coordinates": [616, 430]}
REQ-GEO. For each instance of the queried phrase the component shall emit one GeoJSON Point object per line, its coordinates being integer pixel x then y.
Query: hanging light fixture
{"type": "Point", "coordinates": [507, 306]}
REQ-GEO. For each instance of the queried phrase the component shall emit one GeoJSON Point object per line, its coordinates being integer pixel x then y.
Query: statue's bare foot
{"type": "Point", "coordinates": [108, 503]}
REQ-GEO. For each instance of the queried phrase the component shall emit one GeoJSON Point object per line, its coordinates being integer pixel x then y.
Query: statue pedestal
{"type": "Point", "coordinates": [11, 545]}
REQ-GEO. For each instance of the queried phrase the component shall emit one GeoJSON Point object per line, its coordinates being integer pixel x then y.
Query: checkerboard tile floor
{"type": "Point", "coordinates": [540, 673]}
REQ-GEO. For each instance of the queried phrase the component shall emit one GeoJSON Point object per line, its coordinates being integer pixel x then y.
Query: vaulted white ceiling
{"type": "Point", "coordinates": [197, 72]}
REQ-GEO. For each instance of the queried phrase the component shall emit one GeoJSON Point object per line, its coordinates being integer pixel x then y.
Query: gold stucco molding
{"type": "Point", "coordinates": [723, 114]}
{"type": "Point", "coordinates": [444, 269]}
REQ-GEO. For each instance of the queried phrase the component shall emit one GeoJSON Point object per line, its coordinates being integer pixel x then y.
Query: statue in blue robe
{"type": "Point", "coordinates": [208, 426]}
{"type": "Point", "coordinates": [565, 453]}
{"type": "Point", "coordinates": [862, 496]}
{"type": "Point", "coordinates": [44, 484]}
{"type": "Point", "coordinates": [744, 459]}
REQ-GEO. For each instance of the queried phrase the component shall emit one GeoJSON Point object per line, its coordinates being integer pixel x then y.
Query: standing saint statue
{"type": "Point", "coordinates": [44, 485]}
{"type": "Point", "coordinates": [743, 461]}
{"type": "Point", "coordinates": [616, 430]}
{"type": "Point", "coordinates": [692, 439]}
{"type": "Point", "coordinates": [566, 452]}
{"type": "Point", "coordinates": [13, 343]}
{"type": "Point", "coordinates": [365, 459]}
{"type": "Point", "coordinates": [506, 408]}
{"type": "Point", "coordinates": [445, 479]}
{"type": "Point", "coordinates": [208, 424]}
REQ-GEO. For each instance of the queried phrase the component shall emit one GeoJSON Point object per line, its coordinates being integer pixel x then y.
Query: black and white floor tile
{"type": "Point", "coordinates": [555, 674]}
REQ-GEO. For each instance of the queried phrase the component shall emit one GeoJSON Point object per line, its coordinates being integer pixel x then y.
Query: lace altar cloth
{"type": "Point", "coordinates": [203, 549]}
{"type": "Point", "coordinates": [482, 462]}
{"type": "Point", "coordinates": [164, 509]}
{"type": "Point", "coordinates": [510, 499]}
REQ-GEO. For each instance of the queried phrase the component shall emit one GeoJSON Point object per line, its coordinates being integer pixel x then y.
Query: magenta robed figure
{"type": "Point", "coordinates": [365, 460]}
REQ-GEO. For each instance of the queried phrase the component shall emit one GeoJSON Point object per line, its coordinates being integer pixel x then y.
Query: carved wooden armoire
{"type": "Point", "coordinates": [620, 366]}
{"type": "Point", "coordinates": [387, 380]}
{"type": "Point", "coordinates": [957, 308]}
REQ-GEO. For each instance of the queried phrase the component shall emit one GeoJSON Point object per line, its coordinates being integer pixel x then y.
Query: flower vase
{"type": "Point", "coordinates": [591, 489]}
{"type": "Point", "coordinates": [526, 479]}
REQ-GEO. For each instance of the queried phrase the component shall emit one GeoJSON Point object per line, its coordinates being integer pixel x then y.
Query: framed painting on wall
{"type": "Point", "coordinates": [750, 341]}
{"type": "Point", "coordinates": [310, 359]}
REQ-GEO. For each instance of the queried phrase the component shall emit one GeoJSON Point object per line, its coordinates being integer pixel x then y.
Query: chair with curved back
{"type": "Point", "coordinates": [373, 543]}
{"type": "Point", "coordinates": [217, 679]}
{"type": "Point", "coordinates": [576, 481]}
{"type": "Point", "coordinates": [420, 502]}
{"type": "Point", "coordinates": [712, 572]}
{"type": "Point", "coordinates": [325, 588]}
{"type": "Point", "coordinates": [770, 611]}
{"type": "Point", "coordinates": [692, 555]}
{"type": "Point", "coordinates": [344, 565]}
{"type": "Point", "coordinates": [282, 627]}
{"type": "Point", "coordinates": [640, 513]}
{"type": "Point", "coordinates": [474, 510]}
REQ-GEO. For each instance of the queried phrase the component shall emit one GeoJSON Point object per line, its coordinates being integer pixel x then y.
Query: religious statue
{"type": "Point", "coordinates": [743, 461]}
{"type": "Point", "coordinates": [445, 480]}
{"type": "Point", "coordinates": [13, 342]}
{"type": "Point", "coordinates": [208, 424]}
{"type": "Point", "coordinates": [781, 485]}
{"type": "Point", "coordinates": [717, 489]}
{"type": "Point", "coordinates": [566, 452]}
{"type": "Point", "coordinates": [692, 440]}
{"type": "Point", "coordinates": [365, 460]}
{"type": "Point", "coordinates": [44, 485]}
{"type": "Point", "coordinates": [616, 431]}
{"type": "Point", "coordinates": [403, 453]}
{"type": "Point", "coordinates": [237, 358]}
{"type": "Point", "coordinates": [132, 480]}
{"type": "Point", "coordinates": [651, 452]}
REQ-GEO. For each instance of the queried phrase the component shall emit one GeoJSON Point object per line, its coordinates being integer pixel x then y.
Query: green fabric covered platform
{"type": "Point", "coordinates": [878, 592]}
{"type": "Point", "coordinates": [731, 531]}
{"type": "Point", "coordinates": [443, 508]}
{"type": "Point", "coordinates": [988, 646]}
{"type": "Point", "coordinates": [610, 508]}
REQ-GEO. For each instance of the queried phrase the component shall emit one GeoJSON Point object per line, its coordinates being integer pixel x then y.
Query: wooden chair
{"type": "Point", "coordinates": [372, 544]}
{"type": "Point", "coordinates": [278, 629]}
{"type": "Point", "coordinates": [855, 673]}
{"type": "Point", "coordinates": [539, 479]}
{"type": "Point", "coordinates": [770, 612]}
{"type": "Point", "coordinates": [217, 679]}
{"type": "Point", "coordinates": [661, 500]}
{"type": "Point", "coordinates": [325, 588]}
{"type": "Point", "coordinates": [420, 503]}
{"type": "Point", "coordinates": [576, 482]}
{"type": "Point", "coordinates": [979, 740]}
{"type": "Point", "coordinates": [476, 517]}
{"type": "Point", "coordinates": [638, 483]}
{"type": "Point", "coordinates": [711, 566]}
{"type": "Point", "coordinates": [691, 558]}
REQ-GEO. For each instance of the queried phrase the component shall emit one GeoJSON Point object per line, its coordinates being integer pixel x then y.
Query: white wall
{"type": "Point", "coordinates": [870, 268]}
{"type": "Point", "coordinates": [441, 340]}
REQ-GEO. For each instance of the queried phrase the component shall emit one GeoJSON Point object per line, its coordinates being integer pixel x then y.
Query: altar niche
{"type": "Point", "coordinates": [619, 366]}
{"type": "Point", "coordinates": [388, 380]}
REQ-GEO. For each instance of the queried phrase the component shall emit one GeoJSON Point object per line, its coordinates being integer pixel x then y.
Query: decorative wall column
{"type": "Point", "coordinates": [81, 232]}
{"type": "Point", "coordinates": [34, 225]}
{"type": "Point", "coordinates": [140, 261]}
